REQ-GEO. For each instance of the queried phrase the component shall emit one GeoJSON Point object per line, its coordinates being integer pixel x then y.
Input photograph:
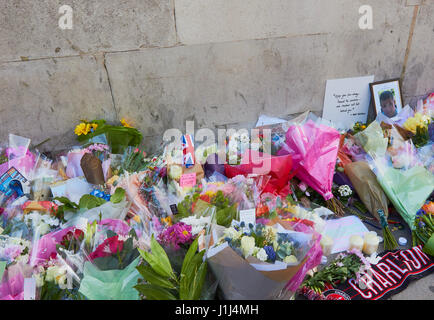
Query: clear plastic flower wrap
{"type": "Point", "coordinates": [314, 145]}
{"type": "Point", "coordinates": [248, 270]}
{"type": "Point", "coordinates": [404, 179]}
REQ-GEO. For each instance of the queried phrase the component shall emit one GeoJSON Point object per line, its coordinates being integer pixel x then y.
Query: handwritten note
{"type": "Point", "coordinates": [188, 180]}
{"type": "Point", "coordinates": [347, 101]}
{"type": "Point", "coordinates": [248, 216]}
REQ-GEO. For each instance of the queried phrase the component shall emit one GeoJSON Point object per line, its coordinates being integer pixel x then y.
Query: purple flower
{"type": "Point", "coordinates": [176, 235]}
{"type": "Point", "coordinates": [270, 253]}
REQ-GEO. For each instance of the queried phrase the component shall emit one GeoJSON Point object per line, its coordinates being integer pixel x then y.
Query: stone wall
{"type": "Point", "coordinates": [220, 63]}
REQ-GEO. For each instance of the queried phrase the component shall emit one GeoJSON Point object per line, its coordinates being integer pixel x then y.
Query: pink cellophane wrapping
{"type": "Point", "coordinates": [314, 149]}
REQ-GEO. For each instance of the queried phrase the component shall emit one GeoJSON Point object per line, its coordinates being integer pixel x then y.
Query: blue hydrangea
{"type": "Point", "coordinates": [270, 253]}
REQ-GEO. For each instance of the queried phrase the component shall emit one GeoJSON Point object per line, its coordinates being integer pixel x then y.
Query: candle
{"type": "Point", "coordinates": [356, 242]}
{"type": "Point", "coordinates": [326, 245]}
{"type": "Point", "coordinates": [371, 243]}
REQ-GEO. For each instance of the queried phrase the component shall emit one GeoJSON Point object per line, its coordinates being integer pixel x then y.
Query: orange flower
{"type": "Point", "coordinates": [429, 207]}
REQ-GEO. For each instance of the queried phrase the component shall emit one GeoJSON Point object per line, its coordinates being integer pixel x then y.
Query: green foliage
{"type": "Point", "coordinates": [89, 201]}
{"type": "Point", "coordinates": [339, 270]}
{"type": "Point", "coordinates": [285, 249]}
{"type": "Point", "coordinates": [118, 196]}
{"type": "Point", "coordinates": [160, 282]}
{"type": "Point", "coordinates": [421, 137]}
{"type": "Point", "coordinates": [118, 137]}
{"type": "Point", "coordinates": [86, 202]}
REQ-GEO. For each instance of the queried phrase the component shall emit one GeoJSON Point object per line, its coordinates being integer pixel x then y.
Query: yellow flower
{"type": "Point", "coordinates": [125, 123]}
{"type": "Point", "coordinates": [82, 128]}
{"type": "Point", "coordinates": [167, 220]}
{"type": "Point", "coordinates": [94, 126]}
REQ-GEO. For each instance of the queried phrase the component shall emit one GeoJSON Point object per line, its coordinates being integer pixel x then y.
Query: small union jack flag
{"type": "Point", "coordinates": [188, 150]}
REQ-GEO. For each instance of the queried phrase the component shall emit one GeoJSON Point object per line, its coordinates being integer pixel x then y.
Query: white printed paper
{"type": "Point", "coordinates": [248, 216]}
{"type": "Point", "coordinates": [347, 101]}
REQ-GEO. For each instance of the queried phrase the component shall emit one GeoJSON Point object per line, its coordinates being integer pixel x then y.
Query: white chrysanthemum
{"type": "Point", "coordinates": [345, 191]}
{"type": "Point", "coordinates": [262, 255]}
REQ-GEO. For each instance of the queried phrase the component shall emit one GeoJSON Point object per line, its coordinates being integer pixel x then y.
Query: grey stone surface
{"type": "Point", "coordinates": [422, 289]}
{"type": "Point", "coordinates": [232, 83]}
{"type": "Point", "coordinates": [208, 21]}
{"type": "Point", "coordinates": [419, 76]}
{"type": "Point", "coordinates": [47, 98]}
{"type": "Point", "coordinates": [30, 28]}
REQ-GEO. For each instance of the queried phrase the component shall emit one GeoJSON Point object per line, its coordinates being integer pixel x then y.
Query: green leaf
{"type": "Point", "coordinates": [187, 277]}
{"type": "Point", "coordinates": [152, 292]}
{"type": "Point", "coordinates": [89, 201]}
{"type": "Point", "coordinates": [158, 260]}
{"type": "Point", "coordinates": [151, 277]}
{"type": "Point", "coordinates": [190, 254]}
{"type": "Point", "coordinates": [197, 284]}
{"type": "Point", "coordinates": [153, 262]}
{"type": "Point", "coordinates": [161, 255]}
{"type": "Point", "coordinates": [118, 196]}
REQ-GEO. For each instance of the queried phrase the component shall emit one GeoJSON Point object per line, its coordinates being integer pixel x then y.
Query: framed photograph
{"type": "Point", "coordinates": [387, 97]}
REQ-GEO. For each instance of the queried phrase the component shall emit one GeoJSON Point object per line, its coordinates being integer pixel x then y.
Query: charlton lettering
{"type": "Point", "coordinates": [421, 254]}
{"type": "Point", "coordinates": [385, 283]}
{"type": "Point", "coordinates": [387, 271]}
{"type": "Point", "coordinates": [416, 264]}
{"type": "Point", "coordinates": [366, 295]}
{"type": "Point", "coordinates": [396, 266]}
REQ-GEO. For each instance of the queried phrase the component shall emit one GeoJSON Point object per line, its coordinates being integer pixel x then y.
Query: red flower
{"type": "Point", "coordinates": [205, 197]}
{"type": "Point", "coordinates": [107, 248]}
{"type": "Point", "coordinates": [77, 234]}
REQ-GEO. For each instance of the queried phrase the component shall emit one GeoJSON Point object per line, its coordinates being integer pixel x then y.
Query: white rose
{"type": "Point", "coordinates": [262, 255]}
{"type": "Point", "coordinates": [247, 245]}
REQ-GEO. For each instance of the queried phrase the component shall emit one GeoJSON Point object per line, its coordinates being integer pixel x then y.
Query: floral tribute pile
{"type": "Point", "coordinates": [103, 220]}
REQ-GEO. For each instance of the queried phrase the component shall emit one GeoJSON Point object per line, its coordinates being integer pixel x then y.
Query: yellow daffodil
{"type": "Point", "coordinates": [125, 123]}
{"type": "Point", "coordinates": [82, 128]}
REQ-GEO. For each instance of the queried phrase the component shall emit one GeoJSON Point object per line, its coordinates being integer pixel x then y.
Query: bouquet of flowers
{"type": "Point", "coordinates": [267, 257]}
{"type": "Point", "coordinates": [118, 137]}
{"type": "Point", "coordinates": [423, 233]}
{"type": "Point", "coordinates": [407, 185]}
{"type": "Point", "coordinates": [314, 148]}
{"type": "Point", "coordinates": [418, 125]}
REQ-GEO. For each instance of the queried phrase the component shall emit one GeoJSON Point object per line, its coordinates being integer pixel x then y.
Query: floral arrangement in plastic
{"type": "Point", "coordinates": [347, 265]}
{"type": "Point", "coordinates": [176, 236]}
{"type": "Point", "coordinates": [226, 211]}
{"type": "Point", "coordinates": [262, 242]}
{"type": "Point", "coordinates": [419, 126]}
{"type": "Point", "coordinates": [118, 137]}
{"type": "Point", "coordinates": [423, 233]}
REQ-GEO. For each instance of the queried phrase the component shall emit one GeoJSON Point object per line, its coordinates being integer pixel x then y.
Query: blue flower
{"type": "Point", "coordinates": [242, 224]}
{"type": "Point", "coordinates": [270, 253]}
